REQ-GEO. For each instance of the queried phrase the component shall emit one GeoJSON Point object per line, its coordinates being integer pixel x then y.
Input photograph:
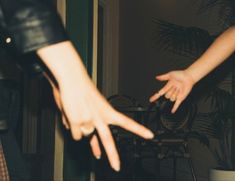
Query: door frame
{"type": "Point", "coordinates": [110, 74]}
{"type": "Point", "coordinates": [59, 139]}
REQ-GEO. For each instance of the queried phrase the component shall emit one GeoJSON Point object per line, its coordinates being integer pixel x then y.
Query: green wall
{"type": "Point", "coordinates": [79, 27]}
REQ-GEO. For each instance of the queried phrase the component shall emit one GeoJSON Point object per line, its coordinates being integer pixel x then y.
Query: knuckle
{"type": "Point", "coordinates": [86, 118]}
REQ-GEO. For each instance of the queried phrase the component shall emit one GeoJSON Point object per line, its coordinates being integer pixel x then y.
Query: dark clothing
{"type": "Point", "coordinates": [30, 25]}
{"type": "Point", "coordinates": [25, 26]}
{"type": "Point", "coordinates": [10, 109]}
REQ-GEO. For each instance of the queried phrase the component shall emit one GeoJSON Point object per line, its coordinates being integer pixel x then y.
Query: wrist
{"type": "Point", "coordinates": [73, 79]}
{"type": "Point", "coordinates": [190, 73]}
{"type": "Point", "coordinates": [64, 63]}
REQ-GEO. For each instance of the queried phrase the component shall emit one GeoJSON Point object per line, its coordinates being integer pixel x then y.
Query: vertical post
{"type": "Point", "coordinates": [59, 139]}
{"type": "Point", "coordinates": [79, 25]}
{"type": "Point", "coordinates": [111, 48]}
{"type": "Point", "coordinates": [94, 59]}
{"type": "Point", "coordinates": [95, 41]}
{"type": "Point", "coordinates": [233, 123]}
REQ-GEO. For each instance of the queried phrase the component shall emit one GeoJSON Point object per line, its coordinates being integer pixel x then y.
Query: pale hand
{"type": "Point", "coordinates": [83, 105]}
{"type": "Point", "coordinates": [178, 86]}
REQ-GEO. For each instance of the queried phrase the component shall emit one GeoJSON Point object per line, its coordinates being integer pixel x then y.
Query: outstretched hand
{"type": "Point", "coordinates": [83, 108]}
{"type": "Point", "coordinates": [179, 85]}
{"type": "Point", "coordinates": [89, 110]}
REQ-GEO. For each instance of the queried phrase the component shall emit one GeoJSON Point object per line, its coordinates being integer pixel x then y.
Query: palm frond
{"type": "Point", "coordinates": [204, 123]}
{"type": "Point", "coordinates": [187, 41]}
{"type": "Point", "coordinates": [201, 137]}
{"type": "Point", "coordinates": [205, 5]}
{"type": "Point", "coordinates": [220, 121]}
{"type": "Point", "coordinates": [227, 12]}
{"type": "Point", "coordinates": [223, 153]}
{"type": "Point", "coordinates": [223, 102]}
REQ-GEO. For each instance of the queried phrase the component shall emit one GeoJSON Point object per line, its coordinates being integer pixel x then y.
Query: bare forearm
{"type": "Point", "coordinates": [64, 63]}
{"type": "Point", "coordinates": [217, 53]}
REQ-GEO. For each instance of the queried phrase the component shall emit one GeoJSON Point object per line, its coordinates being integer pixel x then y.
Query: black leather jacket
{"type": "Point", "coordinates": [27, 25]}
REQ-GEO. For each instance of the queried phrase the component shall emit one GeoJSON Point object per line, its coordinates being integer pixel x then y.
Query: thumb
{"type": "Point", "coordinates": [163, 77]}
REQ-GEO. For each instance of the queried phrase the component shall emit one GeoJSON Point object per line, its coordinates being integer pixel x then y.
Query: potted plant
{"type": "Point", "coordinates": [223, 129]}
{"type": "Point", "coordinates": [225, 171]}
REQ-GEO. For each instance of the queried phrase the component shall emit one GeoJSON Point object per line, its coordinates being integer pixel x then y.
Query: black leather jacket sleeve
{"type": "Point", "coordinates": [32, 24]}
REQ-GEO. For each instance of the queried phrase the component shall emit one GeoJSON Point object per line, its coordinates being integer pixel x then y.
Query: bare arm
{"type": "Point", "coordinates": [217, 53]}
{"type": "Point", "coordinates": [82, 103]}
{"type": "Point", "coordinates": [180, 83]}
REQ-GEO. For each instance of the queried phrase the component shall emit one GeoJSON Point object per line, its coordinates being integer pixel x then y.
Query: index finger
{"type": "Point", "coordinates": [129, 124]}
{"type": "Point", "coordinates": [160, 93]}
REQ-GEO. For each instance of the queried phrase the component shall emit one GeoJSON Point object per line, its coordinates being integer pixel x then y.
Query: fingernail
{"type": "Point", "coordinates": [116, 166]}
{"type": "Point", "coordinates": [98, 157]}
{"type": "Point", "coordinates": [149, 134]}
